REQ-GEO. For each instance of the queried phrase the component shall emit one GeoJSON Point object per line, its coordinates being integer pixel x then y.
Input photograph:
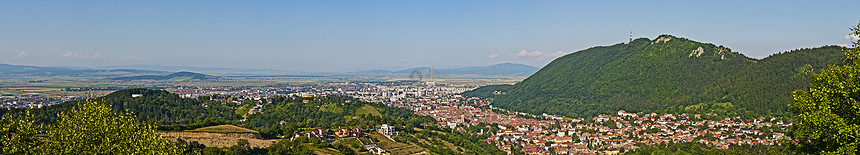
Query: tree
{"type": "Point", "coordinates": [242, 147]}
{"type": "Point", "coordinates": [289, 147]}
{"type": "Point", "coordinates": [92, 128]}
{"type": "Point", "coordinates": [827, 118]}
{"type": "Point", "coordinates": [17, 134]}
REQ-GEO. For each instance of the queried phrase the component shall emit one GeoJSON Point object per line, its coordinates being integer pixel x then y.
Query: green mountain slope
{"type": "Point", "coordinates": [669, 74]}
{"type": "Point", "coordinates": [488, 91]}
{"type": "Point", "coordinates": [767, 85]}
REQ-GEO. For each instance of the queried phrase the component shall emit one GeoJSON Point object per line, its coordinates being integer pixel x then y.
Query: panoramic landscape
{"type": "Point", "coordinates": [429, 77]}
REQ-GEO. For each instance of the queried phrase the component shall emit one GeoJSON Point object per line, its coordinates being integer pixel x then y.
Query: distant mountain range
{"type": "Point", "coordinates": [668, 74]}
{"type": "Point", "coordinates": [7, 70]}
{"type": "Point", "coordinates": [207, 70]}
{"type": "Point", "coordinates": [178, 76]}
{"type": "Point", "coordinates": [503, 69]}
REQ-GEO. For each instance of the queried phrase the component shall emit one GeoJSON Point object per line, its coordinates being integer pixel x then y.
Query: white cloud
{"type": "Point", "coordinates": [76, 55]}
{"type": "Point", "coordinates": [23, 54]}
{"type": "Point", "coordinates": [527, 53]}
{"type": "Point", "coordinates": [493, 56]}
{"type": "Point", "coordinates": [852, 37]}
{"type": "Point", "coordinates": [538, 55]}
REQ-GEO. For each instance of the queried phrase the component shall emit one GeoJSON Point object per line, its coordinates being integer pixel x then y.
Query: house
{"type": "Point", "coordinates": [378, 150]}
{"type": "Point", "coordinates": [357, 132]}
{"type": "Point", "coordinates": [296, 134]}
{"type": "Point", "coordinates": [389, 130]}
{"type": "Point", "coordinates": [342, 132]}
{"type": "Point", "coordinates": [319, 133]}
{"type": "Point", "coordinates": [623, 113]}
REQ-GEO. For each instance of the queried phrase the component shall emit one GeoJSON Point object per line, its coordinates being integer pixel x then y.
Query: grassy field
{"type": "Point", "coordinates": [223, 129]}
{"type": "Point", "coordinates": [347, 141]}
{"type": "Point", "coordinates": [326, 151]}
{"type": "Point", "coordinates": [11, 92]}
{"type": "Point", "coordinates": [367, 109]}
{"type": "Point", "coordinates": [333, 108]}
{"type": "Point", "coordinates": [220, 136]}
{"type": "Point", "coordinates": [352, 143]}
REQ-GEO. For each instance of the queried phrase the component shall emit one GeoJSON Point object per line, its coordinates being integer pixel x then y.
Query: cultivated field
{"type": "Point", "coordinates": [220, 136]}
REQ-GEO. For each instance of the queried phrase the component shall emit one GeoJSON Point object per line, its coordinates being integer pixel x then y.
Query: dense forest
{"type": "Point", "coordinates": [329, 112]}
{"type": "Point", "coordinates": [669, 74]}
{"type": "Point", "coordinates": [153, 107]}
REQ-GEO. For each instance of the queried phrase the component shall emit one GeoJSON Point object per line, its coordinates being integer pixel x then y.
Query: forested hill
{"type": "Point", "coordinates": [153, 107]}
{"type": "Point", "coordinates": [668, 74]}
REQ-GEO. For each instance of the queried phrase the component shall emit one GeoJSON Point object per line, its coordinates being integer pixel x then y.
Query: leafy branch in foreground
{"type": "Point", "coordinates": [17, 134]}
{"type": "Point", "coordinates": [828, 116]}
{"type": "Point", "coordinates": [89, 128]}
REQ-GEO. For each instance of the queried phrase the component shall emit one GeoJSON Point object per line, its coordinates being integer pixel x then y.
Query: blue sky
{"type": "Point", "coordinates": [363, 35]}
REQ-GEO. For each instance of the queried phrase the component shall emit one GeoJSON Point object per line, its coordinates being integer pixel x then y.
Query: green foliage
{"type": "Point", "coordinates": [181, 127]}
{"type": "Point", "coordinates": [472, 144]}
{"type": "Point", "coordinates": [89, 128]}
{"type": "Point", "coordinates": [665, 76]}
{"type": "Point", "coordinates": [310, 115]}
{"type": "Point", "coordinates": [288, 147]}
{"type": "Point", "coordinates": [92, 128]}
{"type": "Point", "coordinates": [154, 107]}
{"type": "Point", "coordinates": [191, 147]}
{"type": "Point", "coordinates": [243, 109]}
{"type": "Point", "coordinates": [487, 91]}
{"type": "Point", "coordinates": [652, 130]}
{"type": "Point", "coordinates": [18, 134]}
{"type": "Point", "coordinates": [827, 118]}
{"type": "Point", "coordinates": [611, 124]}
{"type": "Point", "coordinates": [698, 148]}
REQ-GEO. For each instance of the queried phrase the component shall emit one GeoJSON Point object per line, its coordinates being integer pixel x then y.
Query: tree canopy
{"type": "Point", "coordinates": [827, 117]}
{"type": "Point", "coordinates": [90, 128]}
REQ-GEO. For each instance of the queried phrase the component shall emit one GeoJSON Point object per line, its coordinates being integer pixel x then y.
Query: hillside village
{"type": "Point", "coordinates": [603, 134]}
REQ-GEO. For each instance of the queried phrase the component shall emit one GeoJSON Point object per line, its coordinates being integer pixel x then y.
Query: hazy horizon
{"type": "Point", "coordinates": [338, 36]}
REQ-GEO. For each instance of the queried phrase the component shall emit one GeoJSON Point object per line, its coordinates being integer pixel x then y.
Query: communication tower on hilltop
{"type": "Point", "coordinates": [631, 36]}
